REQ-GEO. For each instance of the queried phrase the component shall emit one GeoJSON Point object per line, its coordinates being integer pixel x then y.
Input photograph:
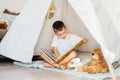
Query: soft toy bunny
{"type": "Point", "coordinates": [74, 63]}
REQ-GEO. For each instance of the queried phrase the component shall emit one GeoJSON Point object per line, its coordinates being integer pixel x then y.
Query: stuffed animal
{"type": "Point", "coordinates": [96, 65]}
{"type": "Point", "coordinates": [3, 24]}
{"type": "Point", "coordinates": [74, 63]}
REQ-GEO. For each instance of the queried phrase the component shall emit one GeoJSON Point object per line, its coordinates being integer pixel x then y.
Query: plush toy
{"type": "Point", "coordinates": [3, 24]}
{"type": "Point", "coordinates": [74, 63]}
{"type": "Point", "coordinates": [96, 65]}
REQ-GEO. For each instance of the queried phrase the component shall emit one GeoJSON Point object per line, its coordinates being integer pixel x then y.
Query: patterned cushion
{"type": "Point", "coordinates": [8, 18]}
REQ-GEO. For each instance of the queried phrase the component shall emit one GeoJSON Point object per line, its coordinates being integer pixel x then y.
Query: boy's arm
{"type": "Point", "coordinates": [55, 50]}
{"type": "Point", "coordinates": [85, 40]}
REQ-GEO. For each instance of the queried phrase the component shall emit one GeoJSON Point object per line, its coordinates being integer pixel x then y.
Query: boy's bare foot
{"type": "Point", "coordinates": [51, 66]}
{"type": "Point", "coordinates": [62, 67]}
{"type": "Point", "coordinates": [57, 65]}
{"type": "Point", "coordinates": [48, 65]}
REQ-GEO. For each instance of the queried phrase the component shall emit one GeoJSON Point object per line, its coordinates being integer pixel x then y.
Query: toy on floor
{"type": "Point", "coordinates": [3, 24]}
{"type": "Point", "coordinates": [96, 65]}
{"type": "Point", "coordinates": [74, 63]}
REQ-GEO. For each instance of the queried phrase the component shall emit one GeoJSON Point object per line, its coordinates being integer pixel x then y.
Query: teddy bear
{"type": "Point", "coordinates": [3, 28]}
{"type": "Point", "coordinates": [96, 65]}
{"type": "Point", "coordinates": [3, 24]}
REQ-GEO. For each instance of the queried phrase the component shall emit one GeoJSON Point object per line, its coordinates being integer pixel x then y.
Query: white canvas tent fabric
{"type": "Point", "coordinates": [21, 39]}
{"type": "Point", "coordinates": [90, 20]}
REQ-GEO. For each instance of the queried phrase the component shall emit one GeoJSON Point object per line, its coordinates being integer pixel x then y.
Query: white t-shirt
{"type": "Point", "coordinates": [64, 45]}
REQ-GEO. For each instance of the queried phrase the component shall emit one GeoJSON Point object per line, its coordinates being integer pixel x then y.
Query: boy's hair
{"type": "Point", "coordinates": [58, 26]}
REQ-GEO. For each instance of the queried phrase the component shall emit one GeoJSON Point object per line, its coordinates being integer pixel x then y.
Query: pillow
{"type": "Point", "coordinates": [9, 12]}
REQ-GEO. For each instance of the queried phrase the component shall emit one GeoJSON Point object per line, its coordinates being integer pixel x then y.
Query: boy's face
{"type": "Point", "coordinates": [62, 34]}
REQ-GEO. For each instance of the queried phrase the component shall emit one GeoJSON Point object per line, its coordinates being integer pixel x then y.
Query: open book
{"type": "Point", "coordinates": [51, 57]}
{"type": "Point", "coordinates": [80, 43]}
{"type": "Point", "coordinates": [48, 54]}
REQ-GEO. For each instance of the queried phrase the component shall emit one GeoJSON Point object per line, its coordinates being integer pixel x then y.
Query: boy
{"type": "Point", "coordinates": [61, 43]}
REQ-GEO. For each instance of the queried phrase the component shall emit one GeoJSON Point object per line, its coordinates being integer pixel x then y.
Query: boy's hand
{"type": "Point", "coordinates": [85, 40]}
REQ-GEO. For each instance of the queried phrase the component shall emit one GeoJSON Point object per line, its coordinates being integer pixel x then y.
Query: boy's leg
{"type": "Point", "coordinates": [52, 63]}
{"type": "Point", "coordinates": [66, 60]}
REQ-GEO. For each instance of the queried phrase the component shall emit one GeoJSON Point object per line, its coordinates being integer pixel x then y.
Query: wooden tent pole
{"type": "Point", "coordinates": [111, 69]}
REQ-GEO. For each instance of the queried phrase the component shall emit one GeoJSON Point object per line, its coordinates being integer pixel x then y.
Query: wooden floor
{"type": "Point", "coordinates": [9, 71]}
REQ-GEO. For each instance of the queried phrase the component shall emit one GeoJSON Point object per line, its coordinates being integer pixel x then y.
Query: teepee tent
{"type": "Point", "coordinates": [87, 18]}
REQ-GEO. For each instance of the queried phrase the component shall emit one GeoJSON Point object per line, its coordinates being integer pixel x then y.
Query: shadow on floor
{"type": "Point", "coordinates": [5, 59]}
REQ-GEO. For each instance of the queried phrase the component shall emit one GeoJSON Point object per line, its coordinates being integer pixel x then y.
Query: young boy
{"type": "Point", "coordinates": [62, 42]}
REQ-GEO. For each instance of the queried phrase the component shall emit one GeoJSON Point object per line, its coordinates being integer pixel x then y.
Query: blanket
{"type": "Point", "coordinates": [98, 76]}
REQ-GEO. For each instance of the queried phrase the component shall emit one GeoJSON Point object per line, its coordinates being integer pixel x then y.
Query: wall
{"type": "Point", "coordinates": [12, 5]}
